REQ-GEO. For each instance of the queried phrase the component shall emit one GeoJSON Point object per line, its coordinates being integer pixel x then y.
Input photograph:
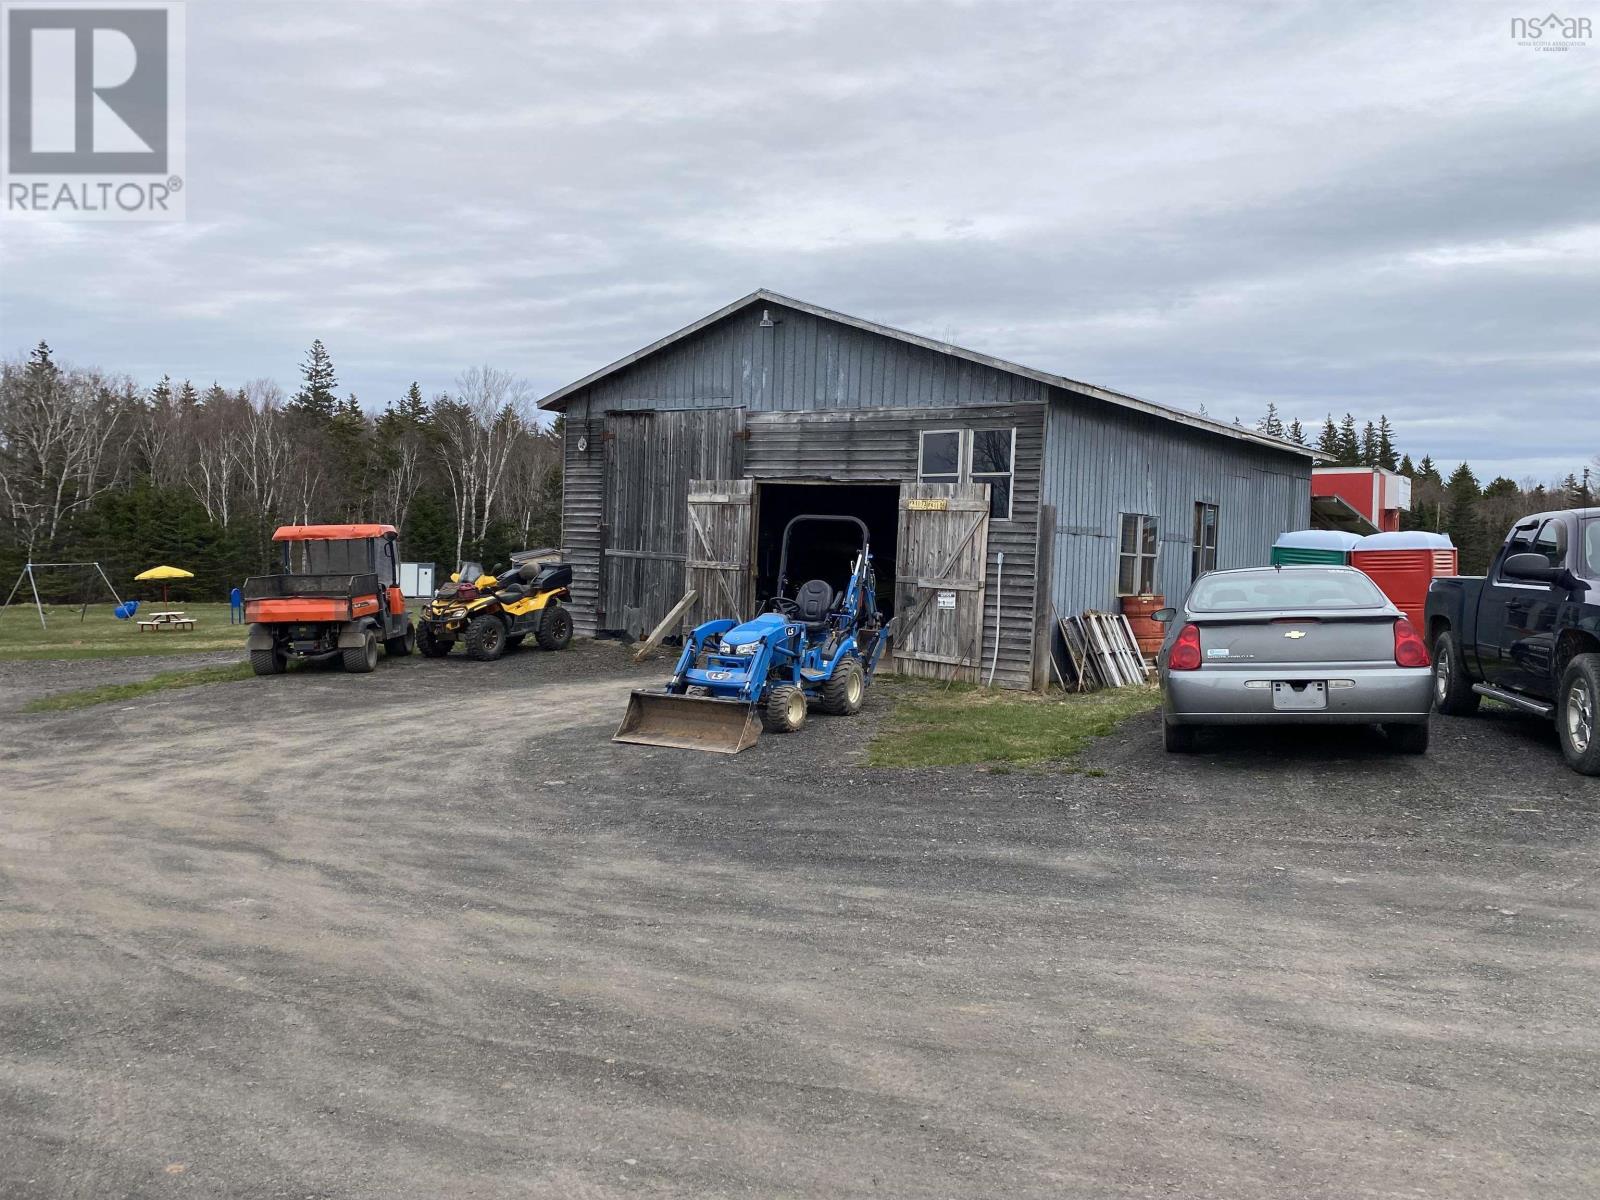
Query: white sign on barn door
{"type": "Point", "coordinates": [939, 579]}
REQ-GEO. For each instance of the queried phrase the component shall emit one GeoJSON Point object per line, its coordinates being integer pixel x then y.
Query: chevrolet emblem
{"type": "Point", "coordinates": [1296, 634]}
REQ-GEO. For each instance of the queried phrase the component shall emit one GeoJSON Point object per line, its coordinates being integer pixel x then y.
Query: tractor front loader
{"type": "Point", "coordinates": [735, 679]}
{"type": "Point", "coordinates": [338, 595]}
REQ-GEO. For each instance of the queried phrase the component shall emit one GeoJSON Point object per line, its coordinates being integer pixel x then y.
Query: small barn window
{"type": "Point", "coordinates": [1136, 556]}
{"type": "Point", "coordinates": [940, 457]}
{"type": "Point", "coordinates": [1205, 539]}
{"type": "Point", "coordinates": [993, 451]}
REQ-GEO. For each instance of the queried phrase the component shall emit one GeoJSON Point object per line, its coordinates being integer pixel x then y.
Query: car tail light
{"type": "Point", "coordinates": [1185, 653]}
{"type": "Point", "coordinates": [1409, 648]}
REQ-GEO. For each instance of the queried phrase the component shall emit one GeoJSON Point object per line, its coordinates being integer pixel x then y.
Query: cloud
{"type": "Point", "coordinates": [1374, 208]}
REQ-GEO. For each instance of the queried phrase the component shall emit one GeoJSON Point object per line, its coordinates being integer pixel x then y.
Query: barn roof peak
{"type": "Point", "coordinates": [557, 399]}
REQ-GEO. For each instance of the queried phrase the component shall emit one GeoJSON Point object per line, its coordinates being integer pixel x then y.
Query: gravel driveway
{"type": "Point", "coordinates": [429, 933]}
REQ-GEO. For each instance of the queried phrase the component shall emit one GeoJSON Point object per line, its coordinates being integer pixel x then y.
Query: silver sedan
{"type": "Point", "coordinates": [1292, 646]}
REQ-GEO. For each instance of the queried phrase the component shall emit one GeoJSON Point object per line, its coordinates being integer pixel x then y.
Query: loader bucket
{"type": "Point", "coordinates": [689, 723]}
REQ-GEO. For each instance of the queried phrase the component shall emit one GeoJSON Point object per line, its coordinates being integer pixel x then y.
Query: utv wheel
{"type": "Point", "coordinates": [486, 638]}
{"type": "Point", "coordinates": [399, 647]}
{"type": "Point", "coordinates": [268, 662]}
{"type": "Point", "coordinates": [845, 689]}
{"type": "Point", "coordinates": [1179, 739]}
{"type": "Point", "coordinates": [363, 658]}
{"type": "Point", "coordinates": [1452, 689]}
{"type": "Point", "coordinates": [784, 711]}
{"type": "Point", "coordinates": [1578, 714]}
{"type": "Point", "coordinates": [431, 645]}
{"type": "Point", "coordinates": [1407, 739]}
{"type": "Point", "coordinates": [555, 631]}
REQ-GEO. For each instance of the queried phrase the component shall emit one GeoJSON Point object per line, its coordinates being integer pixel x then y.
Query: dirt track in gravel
{"type": "Point", "coordinates": [428, 932]}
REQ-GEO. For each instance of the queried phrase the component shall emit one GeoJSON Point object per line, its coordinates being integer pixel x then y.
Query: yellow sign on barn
{"type": "Point", "coordinates": [932, 504]}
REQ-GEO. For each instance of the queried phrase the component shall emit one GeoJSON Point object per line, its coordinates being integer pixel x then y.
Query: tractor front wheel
{"type": "Point", "coordinates": [486, 638]}
{"type": "Point", "coordinates": [784, 711]}
{"type": "Point", "coordinates": [555, 630]}
{"type": "Point", "coordinates": [269, 662]}
{"type": "Point", "coordinates": [845, 689]}
{"type": "Point", "coordinates": [399, 647]}
{"type": "Point", "coordinates": [363, 658]}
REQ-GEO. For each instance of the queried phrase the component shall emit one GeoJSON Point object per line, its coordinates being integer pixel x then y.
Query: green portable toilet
{"type": "Point", "coordinates": [1319, 547]}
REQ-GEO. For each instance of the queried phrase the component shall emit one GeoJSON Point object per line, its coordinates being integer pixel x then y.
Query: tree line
{"type": "Point", "coordinates": [1476, 515]}
{"type": "Point", "coordinates": [95, 468]}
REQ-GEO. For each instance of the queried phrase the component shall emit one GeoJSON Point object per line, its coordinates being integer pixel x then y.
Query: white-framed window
{"type": "Point", "coordinates": [1136, 555]}
{"type": "Point", "coordinates": [1204, 555]}
{"type": "Point", "coordinates": [972, 456]}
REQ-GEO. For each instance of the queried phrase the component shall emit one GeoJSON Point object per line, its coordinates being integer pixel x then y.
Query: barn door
{"type": "Point", "coordinates": [718, 557]}
{"type": "Point", "coordinates": [939, 571]}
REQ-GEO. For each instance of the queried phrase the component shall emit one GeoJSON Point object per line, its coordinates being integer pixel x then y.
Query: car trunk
{"type": "Point", "coordinates": [1288, 638]}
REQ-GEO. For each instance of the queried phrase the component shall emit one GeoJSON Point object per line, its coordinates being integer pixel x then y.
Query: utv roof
{"type": "Point", "coordinates": [331, 533]}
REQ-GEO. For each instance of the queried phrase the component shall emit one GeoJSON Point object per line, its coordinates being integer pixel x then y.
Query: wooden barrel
{"type": "Point", "coordinates": [1147, 632]}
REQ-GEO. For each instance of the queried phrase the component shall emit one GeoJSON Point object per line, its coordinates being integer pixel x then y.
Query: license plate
{"type": "Point", "coordinates": [1298, 697]}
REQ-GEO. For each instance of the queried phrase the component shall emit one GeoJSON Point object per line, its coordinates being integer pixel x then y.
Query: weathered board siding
{"type": "Point", "coordinates": [1101, 462]}
{"type": "Point", "coordinates": [879, 445]}
{"type": "Point", "coordinates": [583, 506]}
{"type": "Point", "coordinates": [801, 364]}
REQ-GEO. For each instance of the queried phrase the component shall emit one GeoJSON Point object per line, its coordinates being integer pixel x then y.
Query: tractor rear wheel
{"type": "Point", "coordinates": [784, 711]}
{"type": "Point", "coordinates": [431, 645]}
{"type": "Point", "coordinates": [486, 638]}
{"type": "Point", "coordinates": [555, 631]}
{"type": "Point", "coordinates": [399, 647]}
{"type": "Point", "coordinates": [845, 689]}
{"type": "Point", "coordinates": [269, 662]}
{"type": "Point", "coordinates": [363, 658]}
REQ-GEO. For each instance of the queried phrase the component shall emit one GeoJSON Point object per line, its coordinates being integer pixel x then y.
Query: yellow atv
{"type": "Point", "coordinates": [491, 613]}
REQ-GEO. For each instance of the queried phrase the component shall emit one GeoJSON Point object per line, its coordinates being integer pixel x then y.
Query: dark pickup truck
{"type": "Point", "coordinates": [1528, 633]}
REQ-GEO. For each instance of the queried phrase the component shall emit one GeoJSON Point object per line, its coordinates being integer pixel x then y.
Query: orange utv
{"type": "Point", "coordinates": [336, 592]}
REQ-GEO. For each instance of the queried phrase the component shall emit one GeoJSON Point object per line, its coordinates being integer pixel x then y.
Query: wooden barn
{"type": "Point", "coordinates": [994, 492]}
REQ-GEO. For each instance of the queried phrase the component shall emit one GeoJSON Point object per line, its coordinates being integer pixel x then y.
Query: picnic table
{"type": "Point", "coordinates": [166, 620]}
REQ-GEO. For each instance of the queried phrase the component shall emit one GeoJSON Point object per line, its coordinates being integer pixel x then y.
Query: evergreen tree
{"type": "Point", "coordinates": [1405, 468]}
{"type": "Point", "coordinates": [1271, 424]}
{"type": "Point", "coordinates": [316, 397]}
{"type": "Point", "coordinates": [1386, 452]}
{"type": "Point", "coordinates": [161, 394]}
{"type": "Point", "coordinates": [188, 398]}
{"type": "Point", "coordinates": [1296, 434]}
{"type": "Point", "coordinates": [1349, 450]}
{"type": "Point", "coordinates": [1463, 521]}
{"type": "Point", "coordinates": [1328, 440]}
{"type": "Point", "coordinates": [215, 394]}
{"type": "Point", "coordinates": [1369, 445]}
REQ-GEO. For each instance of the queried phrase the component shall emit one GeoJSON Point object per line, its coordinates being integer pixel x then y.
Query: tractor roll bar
{"type": "Point", "coordinates": [783, 558]}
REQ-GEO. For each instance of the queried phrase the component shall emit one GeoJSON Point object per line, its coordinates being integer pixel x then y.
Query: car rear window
{"type": "Point", "coordinates": [1243, 591]}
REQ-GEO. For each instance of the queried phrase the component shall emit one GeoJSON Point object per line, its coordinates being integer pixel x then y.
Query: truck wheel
{"type": "Point", "coordinates": [1178, 739]}
{"type": "Point", "coordinates": [486, 638]}
{"type": "Point", "coordinates": [784, 711]}
{"type": "Point", "coordinates": [845, 689]}
{"type": "Point", "coordinates": [555, 631]}
{"type": "Point", "coordinates": [363, 658]}
{"type": "Point", "coordinates": [1452, 688]}
{"type": "Point", "coordinates": [431, 645]}
{"type": "Point", "coordinates": [399, 647]}
{"type": "Point", "coordinates": [269, 662]}
{"type": "Point", "coordinates": [1577, 710]}
{"type": "Point", "coordinates": [1407, 739]}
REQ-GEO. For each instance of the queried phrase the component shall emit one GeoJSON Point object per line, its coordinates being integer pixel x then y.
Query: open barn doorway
{"type": "Point", "coordinates": [824, 551]}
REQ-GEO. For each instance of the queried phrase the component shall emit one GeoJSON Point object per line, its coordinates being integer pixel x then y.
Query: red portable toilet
{"type": "Point", "coordinates": [1404, 564]}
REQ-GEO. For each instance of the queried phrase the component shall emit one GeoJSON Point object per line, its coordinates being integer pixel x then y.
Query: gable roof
{"type": "Point", "coordinates": [557, 399]}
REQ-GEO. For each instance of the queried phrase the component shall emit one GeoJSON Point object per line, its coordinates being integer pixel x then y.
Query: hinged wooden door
{"type": "Point", "coordinates": [718, 552]}
{"type": "Point", "coordinates": [939, 579]}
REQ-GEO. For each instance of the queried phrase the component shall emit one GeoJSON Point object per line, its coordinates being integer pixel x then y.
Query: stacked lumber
{"type": "Point", "coordinates": [1102, 652]}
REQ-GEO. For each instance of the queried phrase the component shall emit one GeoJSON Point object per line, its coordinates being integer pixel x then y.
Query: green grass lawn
{"type": "Point", "coordinates": [100, 635]}
{"type": "Point", "coordinates": [939, 725]}
{"type": "Point", "coordinates": [165, 681]}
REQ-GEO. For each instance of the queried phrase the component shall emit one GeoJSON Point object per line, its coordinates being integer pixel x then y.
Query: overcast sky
{"type": "Point", "coordinates": [1376, 208]}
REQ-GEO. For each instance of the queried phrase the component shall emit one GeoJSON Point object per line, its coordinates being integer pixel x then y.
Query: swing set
{"type": "Point", "coordinates": [28, 576]}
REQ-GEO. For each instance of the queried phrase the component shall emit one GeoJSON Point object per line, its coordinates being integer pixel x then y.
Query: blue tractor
{"type": "Point", "coordinates": [817, 645]}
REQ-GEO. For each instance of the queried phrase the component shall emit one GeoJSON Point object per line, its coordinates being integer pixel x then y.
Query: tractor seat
{"type": "Point", "coordinates": [814, 600]}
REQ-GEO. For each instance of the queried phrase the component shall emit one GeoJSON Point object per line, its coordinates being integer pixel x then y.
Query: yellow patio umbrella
{"type": "Point", "coordinates": [163, 574]}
